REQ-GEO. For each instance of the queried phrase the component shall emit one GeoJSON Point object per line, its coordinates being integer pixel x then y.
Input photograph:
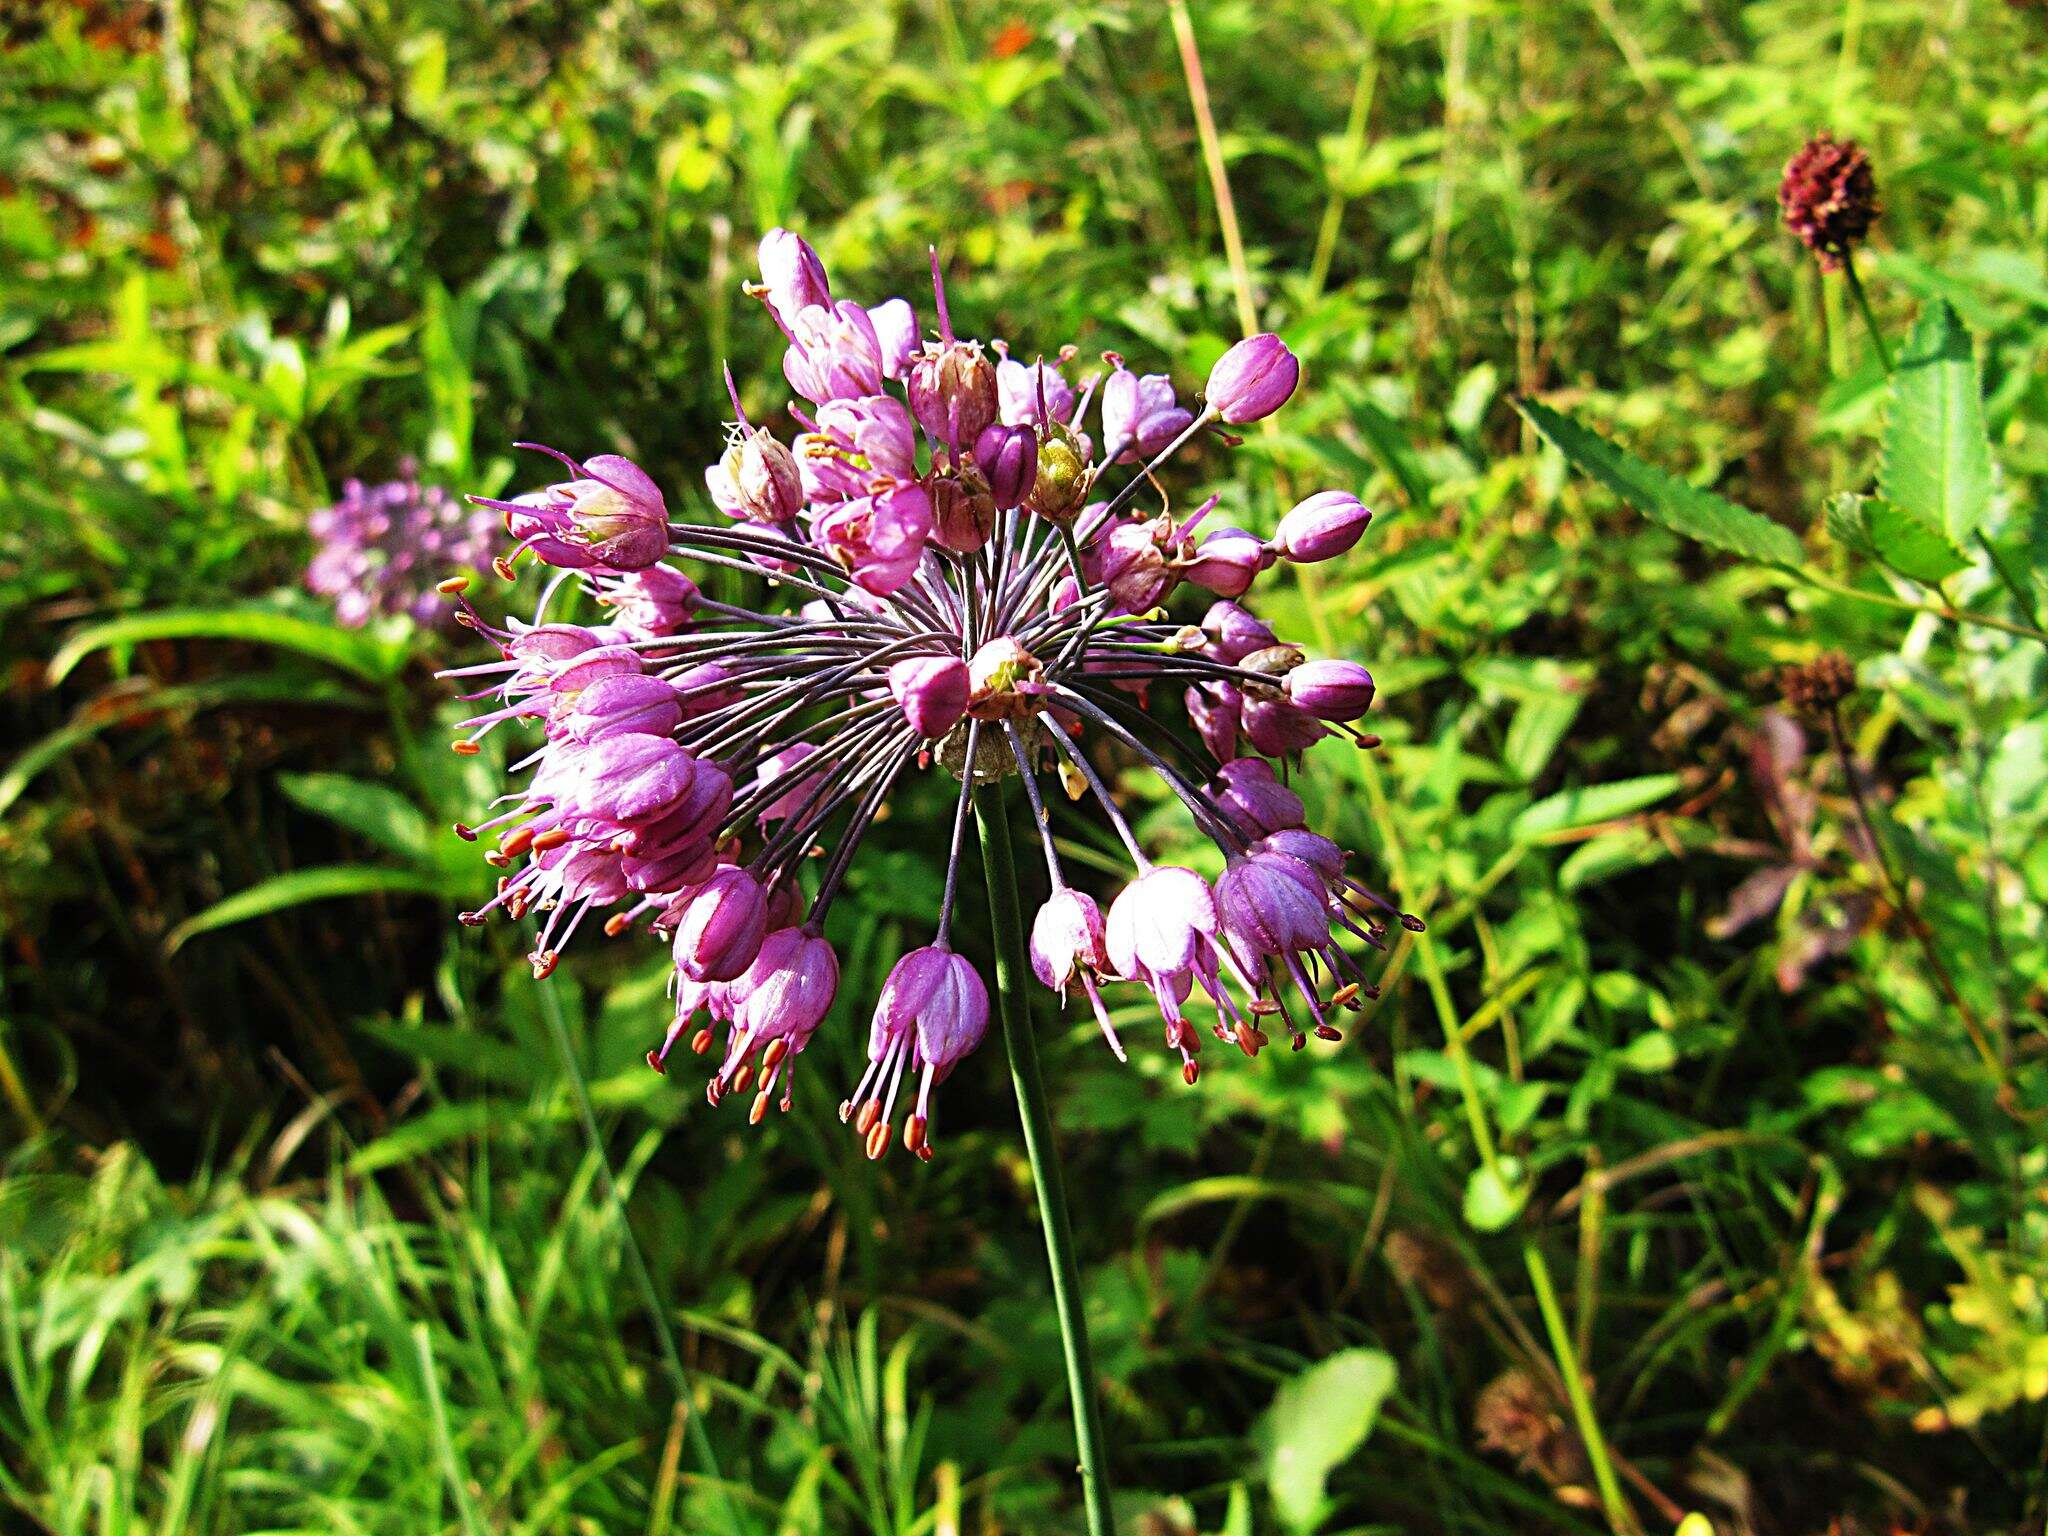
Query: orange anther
{"type": "Point", "coordinates": [617, 924]}
{"type": "Point", "coordinates": [554, 837]}
{"type": "Point", "coordinates": [1189, 1072]}
{"type": "Point", "coordinates": [870, 1112]}
{"type": "Point", "coordinates": [771, 1058]}
{"type": "Point", "coordinates": [878, 1140]}
{"type": "Point", "coordinates": [743, 1079]}
{"type": "Point", "coordinates": [452, 585]}
{"type": "Point", "coordinates": [700, 1042]}
{"type": "Point", "coordinates": [465, 748]}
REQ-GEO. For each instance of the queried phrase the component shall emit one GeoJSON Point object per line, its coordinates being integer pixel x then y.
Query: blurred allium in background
{"type": "Point", "coordinates": [383, 548]}
{"type": "Point", "coordinates": [954, 590]}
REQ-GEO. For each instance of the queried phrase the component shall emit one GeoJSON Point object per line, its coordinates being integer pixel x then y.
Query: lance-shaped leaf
{"type": "Point", "coordinates": [1661, 496]}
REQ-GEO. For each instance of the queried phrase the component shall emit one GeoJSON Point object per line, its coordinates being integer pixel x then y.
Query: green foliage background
{"type": "Point", "coordinates": [1698, 1142]}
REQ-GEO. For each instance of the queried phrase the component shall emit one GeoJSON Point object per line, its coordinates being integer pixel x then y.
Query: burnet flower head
{"type": "Point", "coordinates": [967, 581]}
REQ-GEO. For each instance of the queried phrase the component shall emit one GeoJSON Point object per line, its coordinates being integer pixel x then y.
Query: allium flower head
{"type": "Point", "coordinates": [384, 549]}
{"type": "Point", "coordinates": [957, 584]}
{"type": "Point", "coordinates": [1829, 197]}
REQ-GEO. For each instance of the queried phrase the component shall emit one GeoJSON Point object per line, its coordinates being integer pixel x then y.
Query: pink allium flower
{"type": "Point", "coordinates": [952, 588]}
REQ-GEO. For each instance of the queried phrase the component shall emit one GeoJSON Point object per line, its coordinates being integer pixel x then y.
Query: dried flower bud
{"type": "Point", "coordinates": [1274, 660]}
{"type": "Point", "coordinates": [1829, 197]}
{"type": "Point", "coordinates": [720, 925]}
{"type": "Point", "coordinates": [953, 393]}
{"type": "Point", "coordinates": [963, 511]}
{"type": "Point", "coordinates": [1253, 379]}
{"type": "Point", "coordinates": [1063, 477]}
{"type": "Point", "coordinates": [1820, 684]}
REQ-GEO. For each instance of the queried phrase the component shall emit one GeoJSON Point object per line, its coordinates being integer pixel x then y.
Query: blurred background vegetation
{"type": "Point", "coordinates": [1697, 1147]}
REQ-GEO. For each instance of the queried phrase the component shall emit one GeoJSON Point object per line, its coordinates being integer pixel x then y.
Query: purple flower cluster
{"type": "Point", "coordinates": [384, 548]}
{"type": "Point", "coordinates": [963, 592]}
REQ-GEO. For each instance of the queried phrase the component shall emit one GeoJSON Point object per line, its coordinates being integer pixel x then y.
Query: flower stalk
{"type": "Point", "coordinates": [1006, 914]}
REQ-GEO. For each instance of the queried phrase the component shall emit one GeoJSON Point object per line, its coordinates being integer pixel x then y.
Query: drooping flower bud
{"type": "Point", "coordinates": [625, 778]}
{"type": "Point", "coordinates": [611, 517]}
{"type": "Point", "coordinates": [1234, 633]}
{"type": "Point", "coordinates": [756, 481]}
{"type": "Point", "coordinates": [624, 704]}
{"type": "Point", "coordinates": [653, 603]}
{"type": "Point", "coordinates": [1134, 567]}
{"type": "Point", "coordinates": [953, 393]}
{"type": "Point", "coordinates": [1251, 794]}
{"type": "Point", "coordinates": [1227, 562]}
{"type": "Point", "coordinates": [1066, 937]}
{"type": "Point", "coordinates": [1216, 712]}
{"type": "Point", "coordinates": [1008, 459]}
{"type": "Point", "coordinates": [1277, 727]}
{"type": "Point", "coordinates": [792, 277]}
{"type": "Point", "coordinates": [784, 770]}
{"type": "Point", "coordinates": [1253, 379]}
{"type": "Point", "coordinates": [787, 989]}
{"type": "Point", "coordinates": [1829, 197]}
{"type": "Point", "coordinates": [931, 691]}
{"type": "Point", "coordinates": [1272, 904]}
{"type": "Point", "coordinates": [1140, 416]}
{"type": "Point", "coordinates": [720, 926]}
{"type": "Point", "coordinates": [1338, 691]}
{"type": "Point", "coordinates": [1322, 527]}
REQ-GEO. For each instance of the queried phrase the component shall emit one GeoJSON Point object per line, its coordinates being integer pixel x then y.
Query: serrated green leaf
{"type": "Point", "coordinates": [1316, 1422]}
{"type": "Point", "coordinates": [326, 882]}
{"type": "Point", "coordinates": [1662, 497]}
{"type": "Point", "coordinates": [1909, 546]}
{"type": "Point", "coordinates": [1937, 456]}
{"type": "Point", "coordinates": [1848, 523]}
{"type": "Point", "coordinates": [1592, 804]}
{"type": "Point", "coordinates": [359, 651]}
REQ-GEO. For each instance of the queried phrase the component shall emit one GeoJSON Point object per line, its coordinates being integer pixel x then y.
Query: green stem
{"type": "Point", "coordinates": [1013, 1004]}
{"type": "Point", "coordinates": [1619, 1515]}
{"type": "Point", "coordinates": [643, 1281]}
{"type": "Point", "coordinates": [1884, 351]}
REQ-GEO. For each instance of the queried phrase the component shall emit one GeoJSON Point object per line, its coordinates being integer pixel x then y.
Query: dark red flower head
{"type": "Point", "coordinates": [1829, 197]}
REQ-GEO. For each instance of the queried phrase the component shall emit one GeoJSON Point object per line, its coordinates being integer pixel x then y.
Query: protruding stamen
{"type": "Point", "coordinates": [452, 586]}
{"type": "Point", "coordinates": [700, 1042]}
{"type": "Point", "coordinates": [465, 748]}
{"type": "Point", "coordinates": [878, 1140]}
